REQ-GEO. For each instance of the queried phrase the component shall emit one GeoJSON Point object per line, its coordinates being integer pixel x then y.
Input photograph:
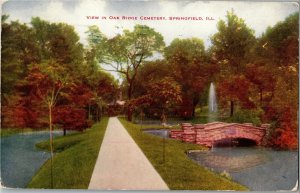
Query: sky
{"type": "Point", "coordinates": [257, 15]}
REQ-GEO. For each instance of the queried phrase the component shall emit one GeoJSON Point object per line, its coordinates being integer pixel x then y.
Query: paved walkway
{"type": "Point", "coordinates": [121, 165]}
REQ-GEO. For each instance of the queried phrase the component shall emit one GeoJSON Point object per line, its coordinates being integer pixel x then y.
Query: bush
{"type": "Point", "coordinates": [247, 116]}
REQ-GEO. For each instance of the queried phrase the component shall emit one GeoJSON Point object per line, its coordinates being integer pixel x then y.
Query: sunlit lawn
{"type": "Point", "coordinates": [178, 171]}
{"type": "Point", "coordinates": [74, 160]}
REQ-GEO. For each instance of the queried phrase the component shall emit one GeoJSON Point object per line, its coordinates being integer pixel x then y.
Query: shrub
{"type": "Point", "coordinates": [247, 116]}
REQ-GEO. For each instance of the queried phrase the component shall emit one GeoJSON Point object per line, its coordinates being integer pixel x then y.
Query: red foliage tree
{"type": "Point", "coordinates": [286, 136]}
{"type": "Point", "coordinates": [161, 96]}
{"type": "Point", "coordinates": [70, 118]}
{"type": "Point", "coordinates": [236, 90]}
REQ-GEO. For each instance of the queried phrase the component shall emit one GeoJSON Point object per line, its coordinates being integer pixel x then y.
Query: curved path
{"type": "Point", "coordinates": [121, 165]}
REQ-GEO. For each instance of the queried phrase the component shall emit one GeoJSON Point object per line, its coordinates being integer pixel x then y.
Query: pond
{"type": "Point", "coordinates": [20, 159]}
{"type": "Point", "coordinates": [259, 169]}
{"type": "Point", "coordinates": [158, 132]}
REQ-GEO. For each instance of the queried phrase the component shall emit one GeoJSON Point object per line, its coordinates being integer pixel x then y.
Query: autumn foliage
{"type": "Point", "coordinates": [71, 118]}
{"type": "Point", "coordinates": [47, 73]}
{"type": "Point", "coordinates": [49, 78]}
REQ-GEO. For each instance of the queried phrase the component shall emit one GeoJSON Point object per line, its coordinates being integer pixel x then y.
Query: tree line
{"type": "Point", "coordinates": [256, 77]}
{"type": "Point", "coordinates": [48, 73]}
{"type": "Point", "coordinates": [48, 77]}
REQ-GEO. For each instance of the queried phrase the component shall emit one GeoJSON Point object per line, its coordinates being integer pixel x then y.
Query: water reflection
{"type": "Point", "coordinates": [158, 132]}
{"type": "Point", "coordinates": [229, 163]}
{"type": "Point", "coordinates": [257, 168]}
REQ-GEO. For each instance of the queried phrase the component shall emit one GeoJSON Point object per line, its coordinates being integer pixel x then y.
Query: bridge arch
{"type": "Point", "coordinates": [235, 142]}
{"type": "Point", "coordinates": [214, 133]}
{"type": "Point", "coordinates": [211, 133]}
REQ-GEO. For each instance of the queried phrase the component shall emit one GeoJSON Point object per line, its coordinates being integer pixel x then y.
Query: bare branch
{"type": "Point", "coordinates": [123, 72]}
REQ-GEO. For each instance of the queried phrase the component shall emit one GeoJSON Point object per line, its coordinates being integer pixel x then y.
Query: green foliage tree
{"type": "Point", "coordinates": [18, 50]}
{"type": "Point", "coordinates": [126, 53]}
{"type": "Point", "coordinates": [151, 71]}
{"type": "Point", "coordinates": [59, 42]}
{"type": "Point", "coordinates": [187, 63]}
{"type": "Point", "coordinates": [231, 46]}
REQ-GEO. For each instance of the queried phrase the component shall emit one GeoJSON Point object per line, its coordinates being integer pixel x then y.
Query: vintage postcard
{"type": "Point", "coordinates": [150, 95]}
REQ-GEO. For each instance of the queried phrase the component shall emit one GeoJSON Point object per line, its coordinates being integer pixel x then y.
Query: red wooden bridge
{"type": "Point", "coordinates": [211, 133]}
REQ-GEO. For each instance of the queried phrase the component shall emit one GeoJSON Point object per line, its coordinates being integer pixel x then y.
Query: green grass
{"type": "Point", "coordinates": [11, 131]}
{"type": "Point", "coordinates": [74, 160]}
{"type": "Point", "coordinates": [178, 171]}
{"type": "Point", "coordinates": [5, 132]}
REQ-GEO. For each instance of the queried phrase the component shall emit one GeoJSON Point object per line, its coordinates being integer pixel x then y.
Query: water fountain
{"type": "Point", "coordinates": [212, 104]}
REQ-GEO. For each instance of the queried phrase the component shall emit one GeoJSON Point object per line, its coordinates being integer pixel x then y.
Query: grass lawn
{"type": "Point", "coordinates": [5, 132]}
{"type": "Point", "coordinates": [11, 131]}
{"type": "Point", "coordinates": [74, 160]}
{"type": "Point", "coordinates": [178, 171]}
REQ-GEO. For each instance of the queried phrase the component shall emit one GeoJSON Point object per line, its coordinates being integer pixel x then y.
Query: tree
{"type": "Point", "coordinates": [231, 46]}
{"type": "Point", "coordinates": [18, 50]}
{"type": "Point", "coordinates": [102, 84]}
{"type": "Point", "coordinates": [187, 63]}
{"type": "Point", "coordinates": [46, 83]}
{"type": "Point", "coordinates": [277, 50]}
{"type": "Point", "coordinates": [59, 42]}
{"type": "Point", "coordinates": [261, 75]}
{"type": "Point", "coordinates": [126, 53]}
{"type": "Point", "coordinates": [236, 89]}
{"type": "Point", "coordinates": [162, 95]}
{"type": "Point", "coordinates": [151, 71]}
{"type": "Point", "coordinates": [39, 44]}
{"type": "Point", "coordinates": [280, 43]}
{"type": "Point", "coordinates": [71, 117]}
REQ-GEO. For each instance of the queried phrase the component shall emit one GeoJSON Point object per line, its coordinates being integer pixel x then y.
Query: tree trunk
{"type": "Point", "coordinates": [193, 113]}
{"type": "Point", "coordinates": [89, 111]}
{"type": "Point", "coordinates": [129, 114]}
{"type": "Point", "coordinates": [100, 113]}
{"type": "Point", "coordinates": [231, 108]}
{"type": "Point", "coordinates": [261, 97]}
{"type": "Point", "coordinates": [129, 94]}
{"type": "Point", "coordinates": [65, 132]}
{"type": "Point", "coordinates": [97, 113]}
{"type": "Point", "coordinates": [51, 142]}
{"type": "Point", "coordinates": [163, 117]}
{"type": "Point", "coordinates": [195, 102]}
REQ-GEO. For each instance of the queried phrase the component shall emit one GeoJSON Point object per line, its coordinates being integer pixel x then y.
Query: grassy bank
{"type": "Point", "coordinates": [11, 131]}
{"type": "Point", "coordinates": [5, 132]}
{"type": "Point", "coordinates": [74, 160]}
{"type": "Point", "coordinates": [178, 171]}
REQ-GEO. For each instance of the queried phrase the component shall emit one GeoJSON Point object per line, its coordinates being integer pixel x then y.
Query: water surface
{"type": "Point", "coordinates": [158, 132]}
{"type": "Point", "coordinates": [20, 159]}
{"type": "Point", "coordinates": [257, 168]}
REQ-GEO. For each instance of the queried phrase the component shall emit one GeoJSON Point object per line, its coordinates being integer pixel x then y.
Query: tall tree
{"type": "Point", "coordinates": [279, 49]}
{"type": "Point", "coordinates": [151, 71]}
{"type": "Point", "coordinates": [18, 50]}
{"type": "Point", "coordinates": [102, 84]}
{"type": "Point", "coordinates": [188, 66]}
{"type": "Point", "coordinates": [230, 48]}
{"type": "Point", "coordinates": [126, 53]}
{"type": "Point", "coordinates": [161, 95]}
{"type": "Point", "coordinates": [46, 82]}
{"type": "Point", "coordinates": [59, 42]}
